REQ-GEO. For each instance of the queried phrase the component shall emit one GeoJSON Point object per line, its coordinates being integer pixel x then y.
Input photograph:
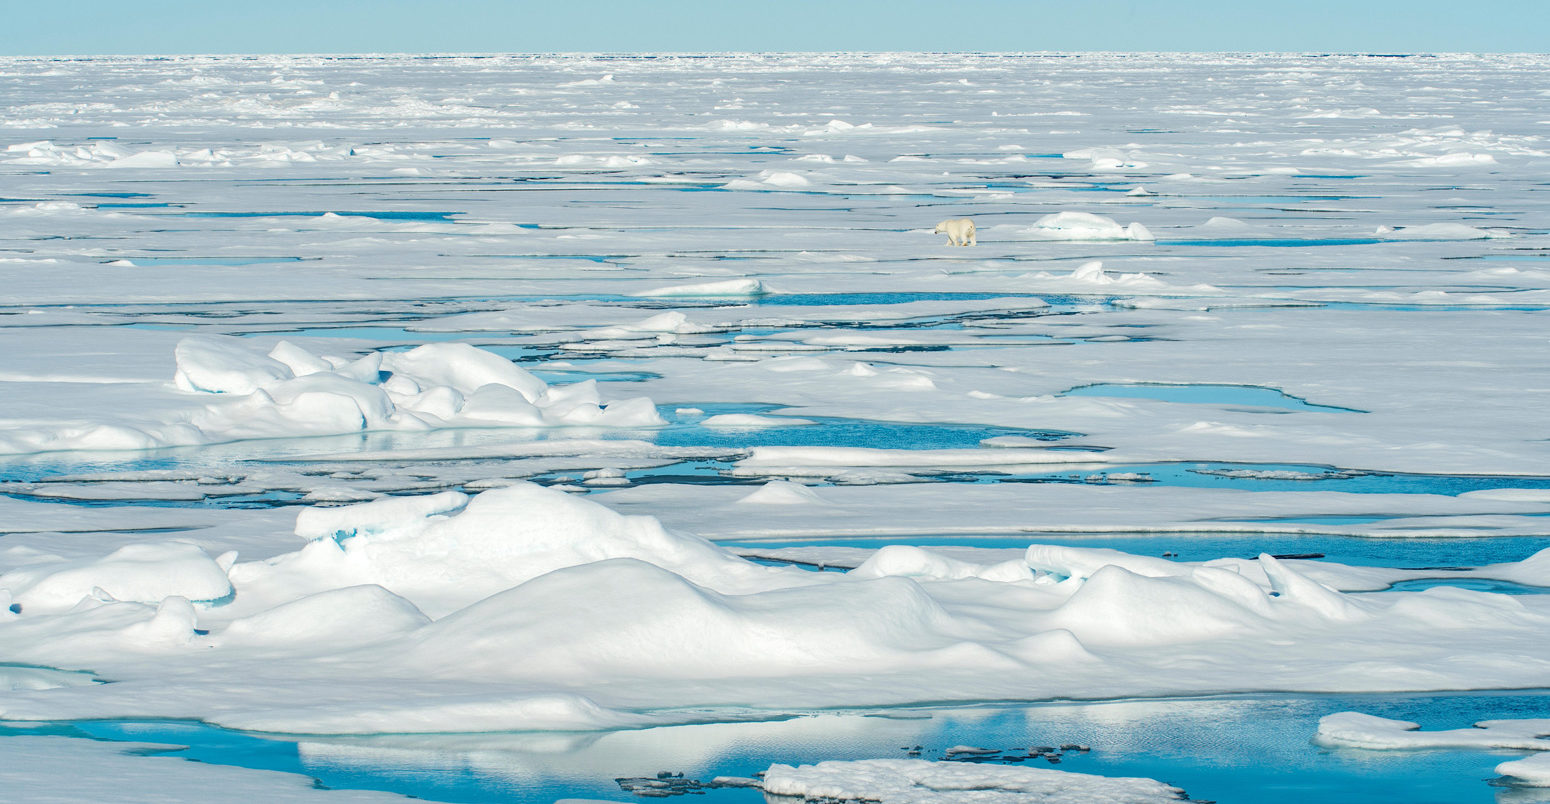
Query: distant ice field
{"type": "Point", "coordinates": [547, 394]}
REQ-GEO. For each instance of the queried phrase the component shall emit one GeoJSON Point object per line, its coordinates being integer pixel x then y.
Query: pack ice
{"type": "Point", "coordinates": [573, 616]}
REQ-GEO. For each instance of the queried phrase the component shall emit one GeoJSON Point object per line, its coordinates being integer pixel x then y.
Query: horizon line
{"type": "Point", "coordinates": [737, 53]}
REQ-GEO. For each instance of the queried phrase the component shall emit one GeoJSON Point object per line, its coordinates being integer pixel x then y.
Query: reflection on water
{"type": "Point", "coordinates": [1477, 584]}
{"type": "Point", "coordinates": [1209, 394]}
{"type": "Point", "coordinates": [1254, 749]}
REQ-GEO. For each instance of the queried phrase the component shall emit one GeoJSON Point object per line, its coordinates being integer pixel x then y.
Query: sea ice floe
{"type": "Point", "coordinates": [1357, 730]}
{"type": "Point", "coordinates": [915, 781]}
{"type": "Point", "coordinates": [1531, 771]}
{"type": "Point", "coordinates": [42, 768]}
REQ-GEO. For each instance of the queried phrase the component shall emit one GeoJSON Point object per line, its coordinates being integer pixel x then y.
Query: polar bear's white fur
{"type": "Point", "coordinates": [959, 231]}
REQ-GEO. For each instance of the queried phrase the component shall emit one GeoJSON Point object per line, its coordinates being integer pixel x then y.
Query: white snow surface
{"type": "Point", "coordinates": [914, 781]}
{"type": "Point", "coordinates": [1357, 730]}
{"type": "Point", "coordinates": [1533, 771]}
{"type": "Point", "coordinates": [397, 296]}
{"type": "Point", "coordinates": [60, 769]}
{"type": "Point", "coordinates": [584, 618]}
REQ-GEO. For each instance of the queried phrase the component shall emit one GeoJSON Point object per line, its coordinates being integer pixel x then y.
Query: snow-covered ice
{"type": "Point", "coordinates": [49, 768]}
{"type": "Point", "coordinates": [1357, 730]}
{"type": "Point", "coordinates": [913, 781]}
{"type": "Point", "coordinates": [399, 394]}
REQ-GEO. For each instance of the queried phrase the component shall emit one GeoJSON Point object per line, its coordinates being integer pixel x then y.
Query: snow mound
{"type": "Point", "coordinates": [730, 287]}
{"type": "Point", "coordinates": [1090, 276]}
{"type": "Point", "coordinates": [226, 366]}
{"type": "Point", "coordinates": [1456, 159]}
{"type": "Point", "coordinates": [898, 560]}
{"type": "Point", "coordinates": [375, 516]}
{"type": "Point", "coordinates": [293, 392]}
{"type": "Point", "coordinates": [771, 180]}
{"type": "Point", "coordinates": [329, 621]}
{"type": "Point", "coordinates": [783, 492]}
{"type": "Point", "coordinates": [499, 539]}
{"type": "Point", "coordinates": [1085, 226]}
{"type": "Point", "coordinates": [1084, 562]}
{"type": "Point", "coordinates": [644, 622]}
{"type": "Point", "coordinates": [1092, 273]}
{"type": "Point", "coordinates": [1106, 158]}
{"type": "Point", "coordinates": [657, 326]}
{"type": "Point", "coordinates": [916, 781]}
{"type": "Point", "coordinates": [142, 573]}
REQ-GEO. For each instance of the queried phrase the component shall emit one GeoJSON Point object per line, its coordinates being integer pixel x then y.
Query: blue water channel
{"type": "Point", "coordinates": [1361, 551]}
{"type": "Point", "coordinates": [685, 429]}
{"type": "Point", "coordinates": [381, 215]}
{"type": "Point", "coordinates": [1209, 394]}
{"type": "Point", "coordinates": [1239, 749]}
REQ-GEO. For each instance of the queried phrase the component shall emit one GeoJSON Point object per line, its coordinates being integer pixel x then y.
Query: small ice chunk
{"type": "Point", "coordinates": [1533, 771]}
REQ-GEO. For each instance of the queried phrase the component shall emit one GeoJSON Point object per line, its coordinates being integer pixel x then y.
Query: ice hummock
{"type": "Point", "coordinates": [586, 618]}
{"type": "Point", "coordinates": [1085, 226]}
{"type": "Point", "coordinates": [239, 391]}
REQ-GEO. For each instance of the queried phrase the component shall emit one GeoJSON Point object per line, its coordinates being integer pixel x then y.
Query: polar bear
{"type": "Point", "coordinates": [959, 231]}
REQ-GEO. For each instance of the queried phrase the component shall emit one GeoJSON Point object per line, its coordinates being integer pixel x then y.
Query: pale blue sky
{"type": "Point", "coordinates": [85, 27]}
